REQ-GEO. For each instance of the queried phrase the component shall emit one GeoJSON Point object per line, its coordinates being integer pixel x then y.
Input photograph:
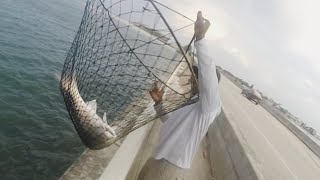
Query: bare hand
{"type": "Point", "coordinates": [201, 26]}
{"type": "Point", "coordinates": [156, 94]}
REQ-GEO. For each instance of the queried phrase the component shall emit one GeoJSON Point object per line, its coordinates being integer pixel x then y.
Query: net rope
{"type": "Point", "coordinates": [121, 48]}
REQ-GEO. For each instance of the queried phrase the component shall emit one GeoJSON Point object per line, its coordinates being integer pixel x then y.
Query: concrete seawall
{"type": "Point", "coordinates": [228, 158]}
{"type": "Point", "coordinates": [91, 164]}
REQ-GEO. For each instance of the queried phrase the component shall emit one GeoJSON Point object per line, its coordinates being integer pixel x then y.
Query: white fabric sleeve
{"type": "Point", "coordinates": [160, 110]}
{"type": "Point", "coordinates": [207, 77]}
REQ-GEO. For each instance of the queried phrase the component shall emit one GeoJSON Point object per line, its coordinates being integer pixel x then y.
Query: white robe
{"type": "Point", "coordinates": [184, 128]}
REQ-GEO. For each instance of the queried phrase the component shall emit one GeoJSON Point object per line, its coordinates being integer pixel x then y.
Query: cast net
{"type": "Point", "coordinates": [121, 48]}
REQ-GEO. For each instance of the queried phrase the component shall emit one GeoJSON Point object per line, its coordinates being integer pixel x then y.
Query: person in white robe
{"type": "Point", "coordinates": [184, 129]}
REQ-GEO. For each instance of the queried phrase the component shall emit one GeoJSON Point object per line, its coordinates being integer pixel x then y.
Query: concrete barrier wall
{"type": "Point", "coordinates": [91, 164]}
{"type": "Point", "coordinates": [307, 139]}
{"type": "Point", "coordinates": [122, 162]}
{"type": "Point", "coordinates": [229, 160]}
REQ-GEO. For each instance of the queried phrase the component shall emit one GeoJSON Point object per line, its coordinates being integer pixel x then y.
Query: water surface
{"type": "Point", "coordinates": [37, 138]}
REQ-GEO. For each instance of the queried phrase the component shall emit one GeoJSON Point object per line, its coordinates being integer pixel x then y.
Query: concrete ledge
{"type": "Point", "coordinates": [123, 160]}
{"type": "Point", "coordinates": [90, 164]}
{"type": "Point", "coordinates": [228, 157]}
{"type": "Point", "coordinates": [307, 139]}
{"type": "Point", "coordinates": [113, 162]}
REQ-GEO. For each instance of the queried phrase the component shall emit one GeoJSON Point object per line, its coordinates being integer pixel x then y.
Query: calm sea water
{"type": "Point", "coordinates": [37, 138]}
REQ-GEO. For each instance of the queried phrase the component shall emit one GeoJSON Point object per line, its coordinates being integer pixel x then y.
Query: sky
{"type": "Point", "coordinates": [272, 44]}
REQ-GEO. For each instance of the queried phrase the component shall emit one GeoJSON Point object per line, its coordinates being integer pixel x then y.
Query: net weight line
{"type": "Point", "coordinates": [175, 38]}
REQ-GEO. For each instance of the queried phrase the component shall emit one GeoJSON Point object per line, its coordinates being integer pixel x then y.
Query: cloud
{"type": "Point", "coordinates": [273, 44]}
{"type": "Point", "coordinates": [234, 51]}
{"type": "Point", "coordinates": [304, 28]}
{"type": "Point", "coordinates": [239, 56]}
{"type": "Point", "coordinates": [309, 83]}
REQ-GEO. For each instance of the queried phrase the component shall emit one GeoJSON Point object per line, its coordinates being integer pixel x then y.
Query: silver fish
{"type": "Point", "coordinates": [93, 130]}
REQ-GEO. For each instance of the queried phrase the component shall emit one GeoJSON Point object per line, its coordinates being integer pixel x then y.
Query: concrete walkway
{"type": "Point", "coordinates": [200, 170]}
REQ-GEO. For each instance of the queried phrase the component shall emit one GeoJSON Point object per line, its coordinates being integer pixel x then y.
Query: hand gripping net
{"type": "Point", "coordinates": [119, 51]}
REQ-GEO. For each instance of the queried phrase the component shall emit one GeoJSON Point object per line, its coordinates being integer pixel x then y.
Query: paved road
{"type": "Point", "coordinates": [276, 152]}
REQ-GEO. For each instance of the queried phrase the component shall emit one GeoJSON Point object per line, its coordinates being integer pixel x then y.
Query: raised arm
{"type": "Point", "coordinates": [207, 79]}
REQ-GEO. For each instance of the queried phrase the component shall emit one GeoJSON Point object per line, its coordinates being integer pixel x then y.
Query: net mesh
{"type": "Point", "coordinates": [121, 48]}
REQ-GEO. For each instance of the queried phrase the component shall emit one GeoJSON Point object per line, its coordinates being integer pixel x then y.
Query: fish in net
{"type": "Point", "coordinates": [121, 48]}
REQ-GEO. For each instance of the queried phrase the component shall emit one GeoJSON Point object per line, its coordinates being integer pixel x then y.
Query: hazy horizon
{"type": "Point", "coordinates": [270, 44]}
